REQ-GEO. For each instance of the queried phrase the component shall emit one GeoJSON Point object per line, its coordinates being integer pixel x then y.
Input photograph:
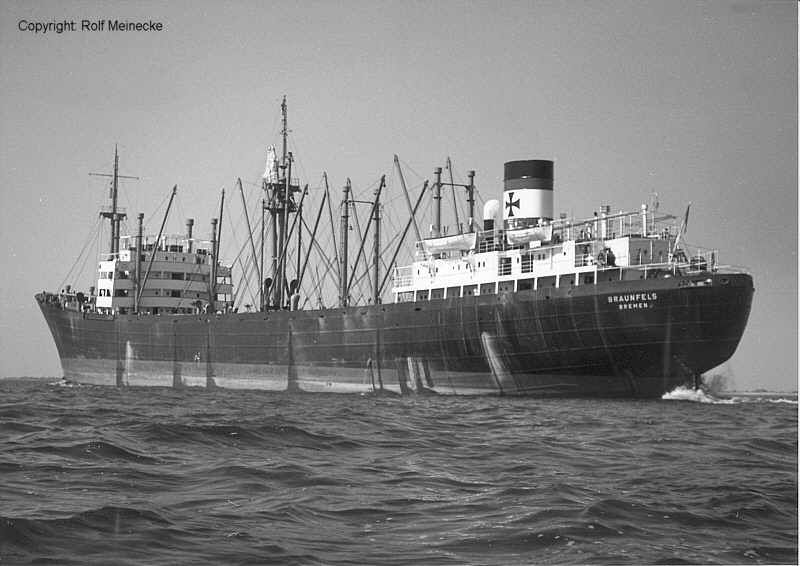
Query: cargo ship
{"type": "Point", "coordinates": [520, 303]}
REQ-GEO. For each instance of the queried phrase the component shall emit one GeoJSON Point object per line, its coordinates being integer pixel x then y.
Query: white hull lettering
{"type": "Point", "coordinates": [633, 298]}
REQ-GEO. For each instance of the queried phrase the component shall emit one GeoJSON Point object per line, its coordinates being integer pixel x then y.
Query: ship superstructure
{"type": "Point", "coordinates": [522, 248]}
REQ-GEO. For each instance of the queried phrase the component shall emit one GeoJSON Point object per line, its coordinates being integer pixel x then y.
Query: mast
{"type": "Point", "coordinates": [376, 256]}
{"type": "Point", "coordinates": [299, 223]}
{"type": "Point", "coordinates": [114, 215]}
{"type": "Point", "coordinates": [212, 287]}
{"type": "Point", "coordinates": [284, 259]}
{"type": "Point", "coordinates": [343, 254]}
{"type": "Point", "coordinates": [216, 236]}
{"type": "Point", "coordinates": [262, 280]}
{"type": "Point", "coordinates": [138, 288]}
{"type": "Point", "coordinates": [279, 204]}
{"type": "Point", "coordinates": [286, 166]}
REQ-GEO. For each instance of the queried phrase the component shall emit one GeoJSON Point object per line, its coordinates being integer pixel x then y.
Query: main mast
{"type": "Point", "coordinates": [280, 204]}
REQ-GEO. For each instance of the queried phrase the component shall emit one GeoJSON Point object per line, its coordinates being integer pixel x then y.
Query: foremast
{"type": "Point", "coordinates": [114, 214]}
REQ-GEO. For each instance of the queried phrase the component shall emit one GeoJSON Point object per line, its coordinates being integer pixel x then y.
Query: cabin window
{"type": "Point", "coordinates": [453, 292]}
{"type": "Point", "coordinates": [566, 280]}
{"type": "Point", "coordinates": [437, 294]}
{"type": "Point", "coordinates": [470, 290]}
{"type": "Point", "coordinates": [588, 278]}
{"type": "Point", "coordinates": [487, 289]}
{"type": "Point", "coordinates": [546, 282]}
{"type": "Point", "coordinates": [506, 287]}
{"type": "Point", "coordinates": [422, 295]}
{"type": "Point", "coordinates": [525, 284]}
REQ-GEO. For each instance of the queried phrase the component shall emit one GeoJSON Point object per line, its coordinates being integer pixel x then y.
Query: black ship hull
{"type": "Point", "coordinates": [638, 338]}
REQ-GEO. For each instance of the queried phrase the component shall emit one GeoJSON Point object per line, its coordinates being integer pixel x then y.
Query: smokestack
{"type": "Point", "coordinates": [527, 193]}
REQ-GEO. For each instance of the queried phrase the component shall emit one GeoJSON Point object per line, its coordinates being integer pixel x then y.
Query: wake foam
{"type": "Point", "coordinates": [695, 395]}
{"type": "Point", "coordinates": [702, 396]}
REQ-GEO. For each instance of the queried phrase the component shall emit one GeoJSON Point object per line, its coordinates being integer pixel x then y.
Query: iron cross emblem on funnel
{"type": "Point", "coordinates": [511, 203]}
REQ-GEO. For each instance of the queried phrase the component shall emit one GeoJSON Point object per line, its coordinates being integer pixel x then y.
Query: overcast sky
{"type": "Point", "coordinates": [695, 101]}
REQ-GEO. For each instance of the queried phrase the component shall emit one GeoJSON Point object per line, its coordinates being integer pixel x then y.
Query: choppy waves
{"type": "Point", "coordinates": [159, 476]}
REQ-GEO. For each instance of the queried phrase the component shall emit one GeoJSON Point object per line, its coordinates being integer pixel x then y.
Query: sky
{"type": "Point", "coordinates": [695, 101]}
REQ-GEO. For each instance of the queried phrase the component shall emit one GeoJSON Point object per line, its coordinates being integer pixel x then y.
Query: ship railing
{"type": "Point", "coordinates": [167, 243]}
{"type": "Point", "coordinates": [694, 258]}
{"type": "Point", "coordinates": [688, 260]}
{"type": "Point", "coordinates": [108, 210]}
{"type": "Point", "coordinates": [619, 225]}
{"type": "Point", "coordinates": [585, 259]}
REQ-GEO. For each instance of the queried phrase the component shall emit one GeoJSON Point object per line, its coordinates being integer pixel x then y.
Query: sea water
{"type": "Point", "coordinates": [100, 475]}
